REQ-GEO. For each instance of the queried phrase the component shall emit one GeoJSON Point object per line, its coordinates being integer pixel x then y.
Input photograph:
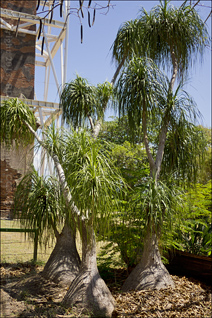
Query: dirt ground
{"type": "Point", "coordinates": [24, 293]}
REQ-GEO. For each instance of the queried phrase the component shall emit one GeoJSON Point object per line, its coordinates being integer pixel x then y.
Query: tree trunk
{"type": "Point", "coordinates": [88, 291]}
{"type": "Point", "coordinates": [150, 273]}
{"type": "Point", "coordinates": [64, 262]}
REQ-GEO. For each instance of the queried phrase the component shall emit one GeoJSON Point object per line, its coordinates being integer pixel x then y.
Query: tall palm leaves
{"type": "Point", "coordinates": [157, 202]}
{"type": "Point", "coordinates": [127, 42]}
{"type": "Point", "coordinates": [137, 89]}
{"type": "Point", "coordinates": [93, 180]}
{"type": "Point", "coordinates": [173, 35]}
{"type": "Point", "coordinates": [13, 114]}
{"type": "Point", "coordinates": [169, 35]}
{"type": "Point", "coordinates": [81, 101]}
{"type": "Point", "coordinates": [41, 203]}
{"type": "Point", "coordinates": [77, 101]}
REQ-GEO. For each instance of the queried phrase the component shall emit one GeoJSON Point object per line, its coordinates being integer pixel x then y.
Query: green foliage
{"type": "Point", "coordinates": [204, 165]}
{"type": "Point", "coordinates": [117, 131]}
{"type": "Point", "coordinates": [195, 230]}
{"type": "Point", "coordinates": [103, 93]}
{"type": "Point", "coordinates": [13, 114]}
{"type": "Point", "coordinates": [80, 100]}
{"type": "Point", "coordinates": [124, 241]}
{"type": "Point", "coordinates": [167, 29]}
{"type": "Point", "coordinates": [95, 183]}
{"type": "Point", "coordinates": [127, 41]}
{"type": "Point", "coordinates": [185, 152]}
{"type": "Point", "coordinates": [77, 101]}
{"type": "Point", "coordinates": [156, 201]}
{"type": "Point", "coordinates": [132, 162]}
{"type": "Point", "coordinates": [39, 203]}
{"type": "Point", "coordinates": [159, 33]}
{"type": "Point", "coordinates": [55, 141]}
{"type": "Point", "coordinates": [137, 90]}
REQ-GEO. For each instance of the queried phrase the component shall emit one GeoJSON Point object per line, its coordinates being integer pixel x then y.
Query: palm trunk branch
{"type": "Point", "coordinates": [145, 138]}
{"type": "Point", "coordinates": [61, 174]}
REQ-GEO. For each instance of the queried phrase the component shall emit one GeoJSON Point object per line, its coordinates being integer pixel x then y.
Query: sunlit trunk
{"type": "Point", "coordinates": [88, 291]}
{"type": "Point", "coordinates": [64, 262]}
{"type": "Point", "coordinates": [150, 273]}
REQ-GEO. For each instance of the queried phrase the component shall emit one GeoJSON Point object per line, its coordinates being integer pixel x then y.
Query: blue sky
{"type": "Point", "coordinates": [92, 58]}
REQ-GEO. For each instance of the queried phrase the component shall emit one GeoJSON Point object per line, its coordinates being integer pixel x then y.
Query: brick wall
{"type": "Point", "coordinates": [14, 164]}
{"type": "Point", "coordinates": [17, 69]}
{"type": "Point", "coordinates": [17, 63]}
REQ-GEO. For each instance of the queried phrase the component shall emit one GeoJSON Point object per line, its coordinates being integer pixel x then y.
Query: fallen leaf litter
{"type": "Point", "coordinates": [189, 298]}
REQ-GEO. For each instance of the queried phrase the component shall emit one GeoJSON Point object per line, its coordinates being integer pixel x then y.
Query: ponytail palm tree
{"type": "Point", "coordinates": [18, 123]}
{"type": "Point", "coordinates": [83, 102]}
{"type": "Point", "coordinates": [42, 206]}
{"type": "Point", "coordinates": [172, 38]}
{"type": "Point", "coordinates": [143, 93]}
{"type": "Point", "coordinates": [100, 189]}
{"type": "Point", "coordinates": [95, 185]}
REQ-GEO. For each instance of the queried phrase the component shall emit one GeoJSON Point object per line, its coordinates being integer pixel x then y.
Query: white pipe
{"type": "Point", "coordinates": [62, 63]}
{"type": "Point", "coordinates": [66, 43]}
{"type": "Point", "coordinates": [51, 61]}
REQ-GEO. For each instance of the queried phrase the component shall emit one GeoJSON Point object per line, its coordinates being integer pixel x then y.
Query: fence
{"type": "Point", "coordinates": [35, 231]}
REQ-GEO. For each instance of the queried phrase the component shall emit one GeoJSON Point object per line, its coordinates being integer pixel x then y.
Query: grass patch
{"type": "Point", "coordinates": [19, 247]}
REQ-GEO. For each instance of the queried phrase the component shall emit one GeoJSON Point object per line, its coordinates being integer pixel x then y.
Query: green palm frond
{"type": "Point", "coordinates": [77, 101]}
{"type": "Point", "coordinates": [185, 151]}
{"type": "Point", "coordinates": [13, 114]}
{"type": "Point", "coordinates": [127, 42]}
{"type": "Point", "coordinates": [103, 94]}
{"type": "Point", "coordinates": [159, 33]}
{"type": "Point", "coordinates": [156, 201]}
{"type": "Point", "coordinates": [139, 85]}
{"type": "Point", "coordinates": [54, 140]}
{"type": "Point", "coordinates": [95, 183]}
{"type": "Point", "coordinates": [39, 203]}
{"type": "Point", "coordinates": [170, 29]}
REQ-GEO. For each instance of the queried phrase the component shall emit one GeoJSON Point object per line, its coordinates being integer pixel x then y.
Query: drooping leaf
{"type": "Point", "coordinates": [42, 45]}
{"type": "Point", "coordinates": [81, 33]}
{"type": "Point", "coordinates": [40, 29]}
{"type": "Point", "coordinates": [61, 8]}
{"type": "Point", "coordinates": [89, 19]}
{"type": "Point", "coordinates": [13, 115]}
{"type": "Point", "coordinates": [38, 4]}
{"type": "Point", "coordinates": [94, 14]}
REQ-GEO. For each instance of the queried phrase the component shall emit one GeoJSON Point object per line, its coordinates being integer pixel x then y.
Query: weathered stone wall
{"type": "Point", "coordinates": [14, 164]}
{"type": "Point", "coordinates": [17, 69]}
{"type": "Point", "coordinates": [17, 66]}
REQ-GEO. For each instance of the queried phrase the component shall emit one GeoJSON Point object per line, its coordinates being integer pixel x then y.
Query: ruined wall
{"type": "Point", "coordinates": [17, 66]}
{"type": "Point", "coordinates": [14, 164]}
{"type": "Point", "coordinates": [17, 69]}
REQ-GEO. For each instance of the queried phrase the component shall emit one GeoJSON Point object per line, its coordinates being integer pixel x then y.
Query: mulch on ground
{"type": "Point", "coordinates": [24, 293]}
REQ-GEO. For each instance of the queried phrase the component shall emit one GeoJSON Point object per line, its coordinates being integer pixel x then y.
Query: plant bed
{"type": "Point", "coordinates": [25, 294]}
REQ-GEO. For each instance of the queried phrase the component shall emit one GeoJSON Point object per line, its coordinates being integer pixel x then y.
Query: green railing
{"type": "Point", "coordinates": [35, 253]}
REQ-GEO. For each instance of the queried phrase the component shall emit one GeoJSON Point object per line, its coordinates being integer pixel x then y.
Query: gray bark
{"type": "Point", "coordinates": [150, 273]}
{"type": "Point", "coordinates": [88, 291]}
{"type": "Point", "coordinates": [145, 138]}
{"type": "Point", "coordinates": [64, 262]}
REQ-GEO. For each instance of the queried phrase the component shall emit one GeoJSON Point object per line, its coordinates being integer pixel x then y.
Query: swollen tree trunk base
{"type": "Point", "coordinates": [150, 273]}
{"type": "Point", "coordinates": [89, 293]}
{"type": "Point", "coordinates": [64, 262]}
